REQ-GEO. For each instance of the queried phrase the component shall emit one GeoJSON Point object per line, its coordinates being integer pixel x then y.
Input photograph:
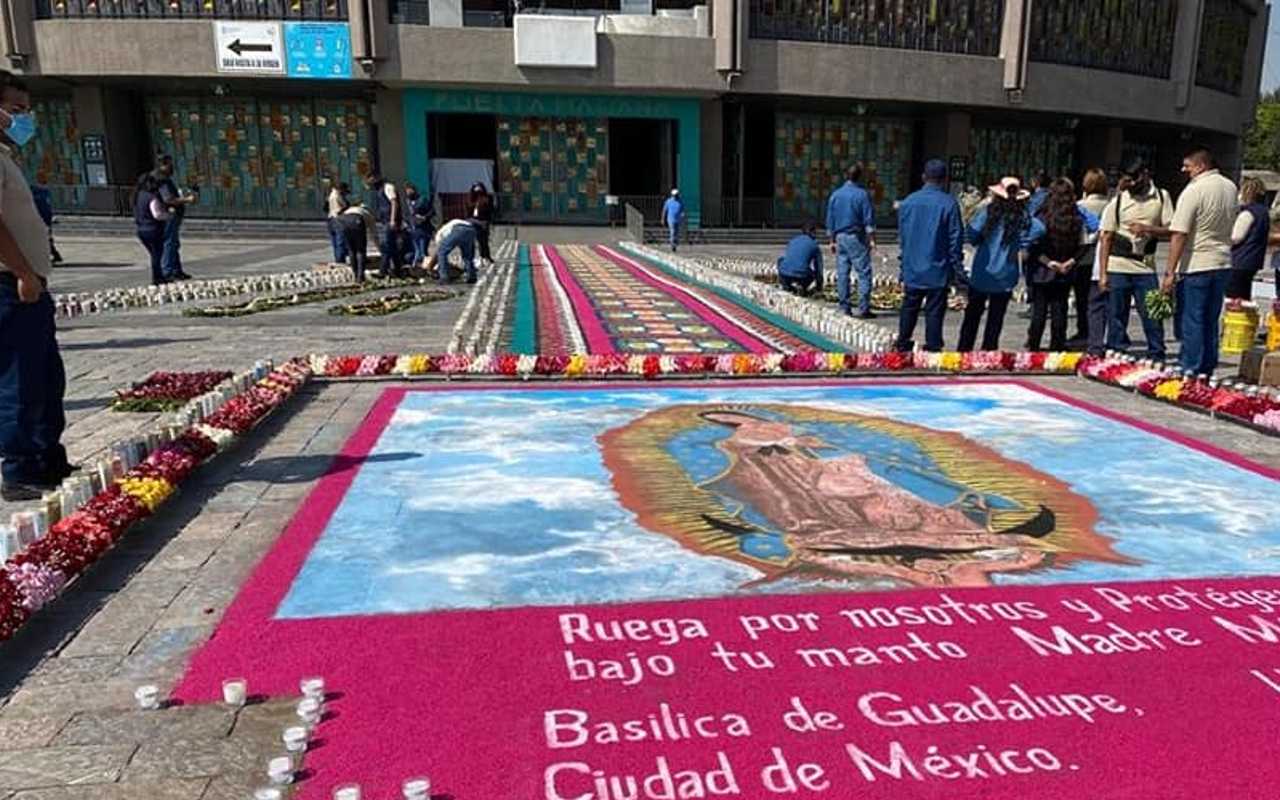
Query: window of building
{"type": "Point", "coordinates": [949, 26]}
{"type": "Point", "coordinates": [1224, 37]}
{"type": "Point", "coordinates": [193, 9]}
{"type": "Point", "coordinates": [1134, 36]}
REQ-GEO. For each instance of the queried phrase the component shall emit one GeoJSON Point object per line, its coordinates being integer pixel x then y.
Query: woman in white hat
{"type": "Point", "coordinates": [1002, 233]}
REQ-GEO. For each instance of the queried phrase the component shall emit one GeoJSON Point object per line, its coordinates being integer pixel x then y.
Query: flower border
{"type": "Point", "coordinates": [1256, 408]}
{"type": "Point", "coordinates": [76, 525]}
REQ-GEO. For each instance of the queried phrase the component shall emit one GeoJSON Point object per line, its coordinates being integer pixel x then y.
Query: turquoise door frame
{"type": "Point", "coordinates": [687, 114]}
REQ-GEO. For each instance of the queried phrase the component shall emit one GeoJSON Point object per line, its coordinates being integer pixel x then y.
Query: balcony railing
{"type": "Point", "coordinates": [305, 10]}
{"type": "Point", "coordinates": [1100, 34]}
{"type": "Point", "coordinates": [971, 27]}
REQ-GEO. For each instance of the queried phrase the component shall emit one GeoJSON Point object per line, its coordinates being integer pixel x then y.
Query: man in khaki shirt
{"type": "Point", "coordinates": [32, 380]}
{"type": "Point", "coordinates": [1126, 259]}
{"type": "Point", "coordinates": [1200, 257]}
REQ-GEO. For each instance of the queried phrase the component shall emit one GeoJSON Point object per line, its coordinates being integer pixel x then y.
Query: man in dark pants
{"type": "Point", "coordinates": [389, 209]}
{"type": "Point", "coordinates": [356, 224]}
{"type": "Point", "coordinates": [32, 379]}
{"type": "Point", "coordinates": [932, 252]}
{"type": "Point", "coordinates": [800, 267]}
{"type": "Point", "coordinates": [177, 202]}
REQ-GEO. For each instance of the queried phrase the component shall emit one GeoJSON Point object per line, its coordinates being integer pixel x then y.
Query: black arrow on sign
{"type": "Point", "coordinates": [239, 48]}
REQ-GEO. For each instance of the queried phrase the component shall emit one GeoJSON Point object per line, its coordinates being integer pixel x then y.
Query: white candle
{"type": "Point", "coordinates": [235, 691]}
{"type": "Point", "coordinates": [268, 793]}
{"type": "Point", "coordinates": [349, 791]}
{"type": "Point", "coordinates": [148, 697]}
{"type": "Point", "coordinates": [280, 770]}
{"type": "Point", "coordinates": [416, 789]}
{"type": "Point", "coordinates": [295, 739]}
{"type": "Point", "coordinates": [313, 688]}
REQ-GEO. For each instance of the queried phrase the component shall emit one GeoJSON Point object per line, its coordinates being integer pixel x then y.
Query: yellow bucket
{"type": "Point", "coordinates": [1239, 330]}
{"type": "Point", "coordinates": [1273, 331]}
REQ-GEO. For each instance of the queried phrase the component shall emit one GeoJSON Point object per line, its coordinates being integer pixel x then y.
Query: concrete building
{"type": "Point", "coordinates": [752, 107]}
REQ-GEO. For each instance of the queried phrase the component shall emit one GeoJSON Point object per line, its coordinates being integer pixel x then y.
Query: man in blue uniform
{"type": "Point", "coordinates": [931, 231]}
{"type": "Point", "coordinates": [851, 224]}
{"type": "Point", "coordinates": [800, 267]}
{"type": "Point", "coordinates": [672, 216]}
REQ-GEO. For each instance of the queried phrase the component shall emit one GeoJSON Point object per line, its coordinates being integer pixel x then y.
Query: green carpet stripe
{"type": "Point", "coordinates": [795, 329]}
{"type": "Point", "coordinates": [524, 328]}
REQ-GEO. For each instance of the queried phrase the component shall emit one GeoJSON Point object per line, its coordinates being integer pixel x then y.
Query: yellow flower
{"type": "Point", "coordinates": [1169, 390]}
{"type": "Point", "coordinates": [151, 492]}
{"type": "Point", "coordinates": [419, 364]}
{"type": "Point", "coordinates": [951, 361]}
{"type": "Point", "coordinates": [1070, 361]}
{"type": "Point", "coordinates": [835, 362]}
{"type": "Point", "coordinates": [577, 365]}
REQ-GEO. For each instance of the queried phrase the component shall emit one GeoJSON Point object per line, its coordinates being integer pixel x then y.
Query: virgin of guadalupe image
{"type": "Point", "coordinates": [826, 495]}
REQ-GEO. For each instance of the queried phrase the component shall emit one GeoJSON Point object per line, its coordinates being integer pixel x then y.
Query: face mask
{"type": "Point", "coordinates": [22, 128]}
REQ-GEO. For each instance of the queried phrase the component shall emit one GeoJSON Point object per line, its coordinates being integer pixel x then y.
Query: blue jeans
{"type": "Point", "coordinates": [338, 240]}
{"type": "Point", "coordinates": [673, 233]}
{"type": "Point", "coordinates": [935, 310]}
{"type": "Point", "coordinates": [421, 237]}
{"type": "Point", "coordinates": [1122, 289]}
{"type": "Point", "coordinates": [32, 384]}
{"type": "Point", "coordinates": [461, 238]}
{"type": "Point", "coordinates": [852, 255]}
{"type": "Point", "coordinates": [171, 260]}
{"type": "Point", "coordinates": [1201, 307]}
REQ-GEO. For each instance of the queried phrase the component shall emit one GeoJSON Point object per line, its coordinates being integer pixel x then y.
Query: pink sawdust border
{"type": "Point", "coordinates": [593, 331]}
{"type": "Point", "coordinates": [274, 576]}
{"type": "Point", "coordinates": [727, 327]}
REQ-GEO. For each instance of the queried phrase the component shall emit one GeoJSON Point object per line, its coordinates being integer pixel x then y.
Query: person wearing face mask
{"type": "Point", "coordinates": [32, 378]}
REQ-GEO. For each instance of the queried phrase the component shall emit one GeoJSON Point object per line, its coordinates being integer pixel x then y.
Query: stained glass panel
{"type": "Point", "coordinates": [1134, 36]}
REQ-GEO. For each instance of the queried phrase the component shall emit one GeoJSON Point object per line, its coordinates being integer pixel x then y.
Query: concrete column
{"type": "Point", "coordinates": [1254, 56]}
{"type": "Point", "coordinates": [729, 26]}
{"type": "Point", "coordinates": [17, 25]}
{"type": "Point", "coordinates": [712, 160]}
{"type": "Point", "coordinates": [947, 136]}
{"type": "Point", "coordinates": [1014, 43]}
{"type": "Point", "coordinates": [117, 117]}
{"type": "Point", "coordinates": [445, 13]}
{"type": "Point", "coordinates": [1186, 49]}
{"type": "Point", "coordinates": [1100, 146]}
{"type": "Point", "coordinates": [388, 115]}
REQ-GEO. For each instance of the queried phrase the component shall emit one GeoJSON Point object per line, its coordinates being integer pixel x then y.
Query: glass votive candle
{"type": "Point", "coordinates": [268, 793]}
{"type": "Point", "coordinates": [148, 697]}
{"type": "Point", "coordinates": [347, 791]}
{"type": "Point", "coordinates": [235, 691]}
{"type": "Point", "coordinates": [312, 687]}
{"type": "Point", "coordinates": [280, 770]}
{"type": "Point", "coordinates": [295, 739]}
{"type": "Point", "coordinates": [416, 789]}
{"type": "Point", "coordinates": [309, 710]}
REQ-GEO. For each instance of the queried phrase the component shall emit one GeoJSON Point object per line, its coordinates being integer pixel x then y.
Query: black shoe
{"type": "Point", "coordinates": [66, 471]}
{"type": "Point", "coordinates": [24, 492]}
{"type": "Point", "coordinates": [182, 276]}
{"type": "Point", "coordinates": [867, 315]}
{"type": "Point", "coordinates": [472, 279]}
{"type": "Point", "coordinates": [55, 256]}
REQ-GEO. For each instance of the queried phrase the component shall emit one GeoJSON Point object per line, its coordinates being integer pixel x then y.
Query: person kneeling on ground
{"type": "Point", "coordinates": [458, 234]}
{"type": "Point", "coordinates": [357, 225]}
{"type": "Point", "coordinates": [800, 267]}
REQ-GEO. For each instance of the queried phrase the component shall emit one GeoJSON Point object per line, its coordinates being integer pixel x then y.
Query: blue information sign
{"type": "Point", "coordinates": [318, 49]}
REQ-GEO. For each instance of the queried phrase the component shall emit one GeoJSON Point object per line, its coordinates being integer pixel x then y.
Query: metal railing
{"type": "Point", "coordinates": [305, 10]}
{"type": "Point", "coordinates": [635, 224]}
{"type": "Point", "coordinates": [260, 204]}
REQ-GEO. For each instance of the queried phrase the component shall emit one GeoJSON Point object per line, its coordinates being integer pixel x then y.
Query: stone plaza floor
{"type": "Point", "coordinates": [69, 729]}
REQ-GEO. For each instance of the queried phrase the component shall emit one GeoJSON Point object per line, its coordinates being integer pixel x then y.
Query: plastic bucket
{"type": "Point", "coordinates": [1239, 330]}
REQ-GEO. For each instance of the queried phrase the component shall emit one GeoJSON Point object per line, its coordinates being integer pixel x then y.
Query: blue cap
{"type": "Point", "coordinates": [935, 169]}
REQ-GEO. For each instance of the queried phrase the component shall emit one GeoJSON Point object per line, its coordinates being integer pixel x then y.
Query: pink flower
{"type": "Point", "coordinates": [37, 583]}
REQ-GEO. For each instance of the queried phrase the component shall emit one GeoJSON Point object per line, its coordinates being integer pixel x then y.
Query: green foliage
{"type": "Point", "coordinates": [1262, 142]}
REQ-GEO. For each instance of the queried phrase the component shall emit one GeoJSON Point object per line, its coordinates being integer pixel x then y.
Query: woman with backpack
{"type": "Point", "coordinates": [149, 216]}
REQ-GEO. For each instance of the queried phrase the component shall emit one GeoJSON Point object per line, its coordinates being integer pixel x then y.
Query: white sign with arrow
{"type": "Point", "coordinates": [249, 47]}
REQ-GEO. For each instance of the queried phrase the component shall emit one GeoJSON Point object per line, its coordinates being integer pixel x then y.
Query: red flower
{"type": "Point", "coordinates": [894, 360]}
{"type": "Point", "coordinates": [12, 612]}
{"type": "Point", "coordinates": [507, 363]}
